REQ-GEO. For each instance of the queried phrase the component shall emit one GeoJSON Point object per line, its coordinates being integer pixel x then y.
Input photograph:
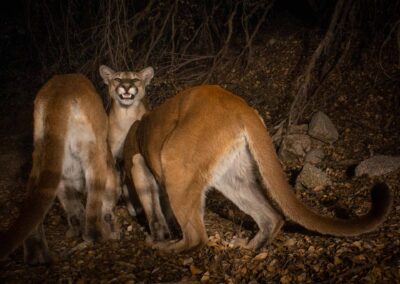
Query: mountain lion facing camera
{"type": "Point", "coordinates": [205, 137]}
{"type": "Point", "coordinates": [127, 90]}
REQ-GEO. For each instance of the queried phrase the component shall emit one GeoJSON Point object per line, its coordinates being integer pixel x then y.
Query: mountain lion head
{"type": "Point", "coordinates": [126, 88]}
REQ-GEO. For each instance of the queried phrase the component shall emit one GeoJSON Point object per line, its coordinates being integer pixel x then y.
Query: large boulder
{"type": "Point", "coordinates": [378, 165]}
{"type": "Point", "coordinates": [322, 128]}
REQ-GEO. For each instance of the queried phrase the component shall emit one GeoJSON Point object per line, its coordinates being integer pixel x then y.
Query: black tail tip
{"type": "Point", "coordinates": [381, 196]}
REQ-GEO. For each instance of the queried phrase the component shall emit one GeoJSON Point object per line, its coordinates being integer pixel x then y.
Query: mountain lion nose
{"type": "Point", "coordinates": [126, 87]}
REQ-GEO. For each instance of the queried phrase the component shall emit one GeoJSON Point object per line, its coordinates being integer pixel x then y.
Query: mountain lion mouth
{"type": "Point", "coordinates": [126, 99]}
{"type": "Point", "coordinates": [126, 96]}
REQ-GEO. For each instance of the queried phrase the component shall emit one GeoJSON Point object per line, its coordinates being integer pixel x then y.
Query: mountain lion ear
{"type": "Point", "coordinates": [146, 75]}
{"type": "Point", "coordinates": [106, 73]}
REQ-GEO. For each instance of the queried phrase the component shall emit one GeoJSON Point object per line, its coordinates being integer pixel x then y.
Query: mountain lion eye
{"type": "Point", "coordinates": [117, 80]}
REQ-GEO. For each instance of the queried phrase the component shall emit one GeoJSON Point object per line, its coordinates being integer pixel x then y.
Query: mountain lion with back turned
{"type": "Point", "coordinates": [70, 155]}
{"type": "Point", "coordinates": [205, 137]}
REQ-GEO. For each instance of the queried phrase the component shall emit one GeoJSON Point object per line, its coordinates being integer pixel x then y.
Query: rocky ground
{"type": "Point", "coordinates": [363, 106]}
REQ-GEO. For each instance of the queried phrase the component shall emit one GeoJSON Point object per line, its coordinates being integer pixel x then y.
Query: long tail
{"type": "Point", "coordinates": [278, 189]}
{"type": "Point", "coordinates": [40, 197]}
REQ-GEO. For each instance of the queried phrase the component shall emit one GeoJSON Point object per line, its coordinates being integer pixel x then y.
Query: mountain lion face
{"type": "Point", "coordinates": [126, 88]}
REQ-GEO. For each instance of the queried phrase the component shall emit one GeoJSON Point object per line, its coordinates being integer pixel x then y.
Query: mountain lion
{"type": "Point", "coordinates": [70, 155]}
{"type": "Point", "coordinates": [128, 104]}
{"type": "Point", "coordinates": [205, 137]}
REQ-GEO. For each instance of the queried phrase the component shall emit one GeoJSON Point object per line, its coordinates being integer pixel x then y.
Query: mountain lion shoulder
{"type": "Point", "coordinates": [205, 137]}
{"type": "Point", "coordinates": [70, 156]}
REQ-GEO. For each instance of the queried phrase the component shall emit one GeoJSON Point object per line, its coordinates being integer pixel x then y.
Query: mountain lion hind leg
{"type": "Point", "coordinates": [188, 210]}
{"type": "Point", "coordinates": [36, 250]}
{"type": "Point", "coordinates": [234, 177]}
{"type": "Point", "coordinates": [68, 195]}
{"type": "Point", "coordinates": [102, 191]}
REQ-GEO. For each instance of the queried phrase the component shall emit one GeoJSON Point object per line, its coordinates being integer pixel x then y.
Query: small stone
{"type": "Point", "coordinates": [322, 128]}
{"type": "Point", "coordinates": [298, 129]}
{"type": "Point", "coordinates": [312, 177]}
{"type": "Point", "coordinates": [294, 147]}
{"type": "Point", "coordinates": [272, 41]}
{"type": "Point", "coordinates": [315, 156]}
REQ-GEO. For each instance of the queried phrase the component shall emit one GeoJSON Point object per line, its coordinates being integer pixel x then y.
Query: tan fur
{"type": "Point", "coordinates": [70, 155]}
{"type": "Point", "coordinates": [123, 114]}
{"type": "Point", "coordinates": [207, 137]}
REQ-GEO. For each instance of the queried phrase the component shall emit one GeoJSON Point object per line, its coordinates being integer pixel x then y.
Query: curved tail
{"type": "Point", "coordinates": [279, 190]}
{"type": "Point", "coordinates": [42, 188]}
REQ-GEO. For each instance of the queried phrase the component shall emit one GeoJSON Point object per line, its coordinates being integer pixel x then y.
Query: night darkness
{"type": "Point", "coordinates": [287, 59]}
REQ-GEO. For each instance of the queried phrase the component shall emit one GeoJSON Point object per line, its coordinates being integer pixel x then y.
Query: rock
{"type": "Point", "coordinates": [322, 128]}
{"type": "Point", "coordinates": [315, 156]}
{"type": "Point", "coordinates": [378, 165]}
{"type": "Point", "coordinates": [272, 41]}
{"type": "Point", "coordinates": [312, 177]}
{"type": "Point", "coordinates": [294, 147]}
{"type": "Point", "coordinates": [298, 129]}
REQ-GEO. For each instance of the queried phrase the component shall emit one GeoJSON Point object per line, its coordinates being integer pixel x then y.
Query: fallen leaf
{"type": "Point", "coordinates": [261, 256]}
{"type": "Point", "coordinates": [290, 242]}
{"type": "Point", "coordinates": [285, 279]}
{"type": "Point", "coordinates": [205, 277]}
{"type": "Point", "coordinates": [187, 261]}
{"type": "Point", "coordinates": [194, 270]}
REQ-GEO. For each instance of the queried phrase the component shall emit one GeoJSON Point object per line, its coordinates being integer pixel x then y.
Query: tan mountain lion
{"type": "Point", "coordinates": [127, 91]}
{"type": "Point", "coordinates": [205, 137]}
{"type": "Point", "coordinates": [70, 155]}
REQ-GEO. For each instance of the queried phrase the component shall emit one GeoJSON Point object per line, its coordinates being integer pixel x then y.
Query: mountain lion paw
{"type": "Point", "coordinates": [159, 231]}
{"type": "Point", "coordinates": [36, 255]}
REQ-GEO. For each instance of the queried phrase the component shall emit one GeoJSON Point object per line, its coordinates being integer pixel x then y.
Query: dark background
{"type": "Point", "coordinates": [287, 59]}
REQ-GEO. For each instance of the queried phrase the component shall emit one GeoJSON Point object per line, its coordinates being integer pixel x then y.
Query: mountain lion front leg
{"type": "Point", "coordinates": [148, 193]}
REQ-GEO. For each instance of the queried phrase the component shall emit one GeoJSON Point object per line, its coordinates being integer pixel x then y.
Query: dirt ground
{"type": "Point", "coordinates": [363, 105]}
